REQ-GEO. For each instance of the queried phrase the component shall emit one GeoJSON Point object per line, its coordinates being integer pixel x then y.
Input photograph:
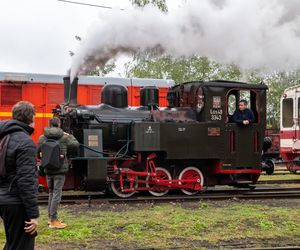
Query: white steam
{"type": "Point", "coordinates": [249, 33]}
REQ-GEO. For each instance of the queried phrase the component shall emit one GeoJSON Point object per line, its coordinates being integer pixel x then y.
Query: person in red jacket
{"type": "Point", "coordinates": [18, 181]}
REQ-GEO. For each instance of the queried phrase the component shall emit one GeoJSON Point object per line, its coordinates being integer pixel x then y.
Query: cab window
{"type": "Point", "coordinates": [231, 104]}
{"type": "Point", "coordinates": [233, 98]}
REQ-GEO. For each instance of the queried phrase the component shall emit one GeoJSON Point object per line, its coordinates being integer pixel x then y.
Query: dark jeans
{"type": "Point", "coordinates": [14, 217]}
{"type": "Point", "coordinates": [55, 185]}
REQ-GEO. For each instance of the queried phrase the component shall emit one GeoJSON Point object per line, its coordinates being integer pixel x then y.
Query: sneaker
{"type": "Point", "coordinates": [57, 224]}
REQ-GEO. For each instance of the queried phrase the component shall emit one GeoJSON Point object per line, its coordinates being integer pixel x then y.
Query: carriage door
{"type": "Point", "coordinates": [243, 139]}
{"type": "Point", "coordinates": [296, 121]}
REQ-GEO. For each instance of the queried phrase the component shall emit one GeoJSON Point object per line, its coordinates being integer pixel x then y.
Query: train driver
{"type": "Point", "coordinates": [243, 115]}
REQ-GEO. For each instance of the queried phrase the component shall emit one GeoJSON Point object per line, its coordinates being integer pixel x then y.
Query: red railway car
{"type": "Point", "coordinates": [273, 151]}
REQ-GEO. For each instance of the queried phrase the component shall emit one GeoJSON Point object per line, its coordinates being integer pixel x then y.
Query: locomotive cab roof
{"type": "Point", "coordinates": [227, 84]}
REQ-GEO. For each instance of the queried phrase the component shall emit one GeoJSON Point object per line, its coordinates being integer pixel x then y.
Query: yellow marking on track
{"type": "Point", "coordinates": [38, 115]}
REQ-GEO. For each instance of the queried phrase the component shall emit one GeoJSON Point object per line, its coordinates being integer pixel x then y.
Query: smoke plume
{"type": "Point", "coordinates": [249, 33]}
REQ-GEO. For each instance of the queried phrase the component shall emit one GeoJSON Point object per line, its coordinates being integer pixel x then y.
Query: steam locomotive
{"type": "Point", "coordinates": [189, 145]}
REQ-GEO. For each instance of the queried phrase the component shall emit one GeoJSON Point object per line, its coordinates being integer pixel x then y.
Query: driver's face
{"type": "Point", "coordinates": [242, 106]}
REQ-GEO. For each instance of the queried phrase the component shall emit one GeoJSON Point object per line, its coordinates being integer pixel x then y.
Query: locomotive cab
{"type": "Point", "coordinates": [235, 150]}
{"type": "Point", "coordinates": [246, 140]}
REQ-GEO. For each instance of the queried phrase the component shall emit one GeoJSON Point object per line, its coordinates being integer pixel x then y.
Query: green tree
{"type": "Point", "coordinates": [180, 69]}
{"type": "Point", "coordinates": [161, 4]}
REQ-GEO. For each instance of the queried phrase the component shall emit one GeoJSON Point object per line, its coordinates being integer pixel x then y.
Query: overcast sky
{"type": "Point", "coordinates": [37, 35]}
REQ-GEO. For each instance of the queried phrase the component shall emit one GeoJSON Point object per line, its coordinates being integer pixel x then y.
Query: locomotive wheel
{"type": "Point", "coordinates": [116, 188]}
{"type": "Point", "coordinates": [271, 167]}
{"type": "Point", "coordinates": [191, 173]}
{"type": "Point", "coordinates": [161, 174]}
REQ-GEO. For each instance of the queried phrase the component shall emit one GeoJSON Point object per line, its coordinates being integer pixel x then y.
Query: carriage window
{"type": "Point", "coordinates": [55, 95]}
{"type": "Point", "coordinates": [287, 112]}
{"type": "Point", "coordinates": [11, 94]}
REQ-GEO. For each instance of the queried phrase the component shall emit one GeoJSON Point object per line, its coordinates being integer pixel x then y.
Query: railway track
{"type": "Point", "coordinates": [260, 193]}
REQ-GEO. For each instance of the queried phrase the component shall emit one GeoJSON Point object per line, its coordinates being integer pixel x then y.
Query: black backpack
{"type": "Point", "coordinates": [51, 155]}
{"type": "Point", "coordinates": [3, 149]}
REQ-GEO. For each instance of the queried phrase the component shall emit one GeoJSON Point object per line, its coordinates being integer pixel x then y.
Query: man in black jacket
{"type": "Point", "coordinates": [243, 115]}
{"type": "Point", "coordinates": [19, 185]}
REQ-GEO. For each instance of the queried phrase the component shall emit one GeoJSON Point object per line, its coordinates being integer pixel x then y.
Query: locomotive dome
{"type": "Point", "coordinates": [115, 95]}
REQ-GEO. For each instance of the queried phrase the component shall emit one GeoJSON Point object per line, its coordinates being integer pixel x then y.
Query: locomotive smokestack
{"type": "Point", "coordinates": [66, 89]}
{"type": "Point", "coordinates": [73, 91]}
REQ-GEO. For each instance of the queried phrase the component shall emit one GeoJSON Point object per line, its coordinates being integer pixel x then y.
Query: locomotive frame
{"type": "Point", "coordinates": [189, 145]}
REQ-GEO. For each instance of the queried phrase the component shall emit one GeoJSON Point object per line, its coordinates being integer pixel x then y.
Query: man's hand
{"type": "Point", "coordinates": [31, 226]}
{"type": "Point", "coordinates": [245, 122]}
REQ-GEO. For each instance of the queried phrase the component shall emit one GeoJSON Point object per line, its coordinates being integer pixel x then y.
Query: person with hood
{"type": "Point", "coordinates": [18, 178]}
{"type": "Point", "coordinates": [56, 177]}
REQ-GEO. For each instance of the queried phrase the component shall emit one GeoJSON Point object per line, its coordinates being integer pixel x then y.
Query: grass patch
{"type": "Point", "coordinates": [285, 176]}
{"type": "Point", "coordinates": [171, 225]}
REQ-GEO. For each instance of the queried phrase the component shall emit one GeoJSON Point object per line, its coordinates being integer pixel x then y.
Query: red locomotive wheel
{"type": "Point", "coordinates": [191, 173]}
{"type": "Point", "coordinates": [161, 174]}
{"type": "Point", "coordinates": [116, 188]}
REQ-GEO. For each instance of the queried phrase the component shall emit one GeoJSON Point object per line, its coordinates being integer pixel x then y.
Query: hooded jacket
{"type": "Point", "coordinates": [20, 184]}
{"type": "Point", "coordinates": [67, 143]}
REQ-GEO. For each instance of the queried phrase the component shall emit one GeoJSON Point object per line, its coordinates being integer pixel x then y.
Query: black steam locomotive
{"type": "Point", "coordinates": [189, 145]}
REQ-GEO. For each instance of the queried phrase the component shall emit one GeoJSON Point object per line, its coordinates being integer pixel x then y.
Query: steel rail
{"type": "Point", "coordinates": [273, 193]}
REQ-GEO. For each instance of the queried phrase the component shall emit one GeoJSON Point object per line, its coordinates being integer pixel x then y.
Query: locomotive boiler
{"type": "Point", "coordinates": [189, 145]}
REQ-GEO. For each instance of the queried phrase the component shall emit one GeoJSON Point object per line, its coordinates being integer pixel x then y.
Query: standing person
{"type": "Point", "coordinates": [243, 115]}
{"type": "Point", "coordinates": [68, 145]}
{"type": "Point", "coordinates": [18, 178]}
